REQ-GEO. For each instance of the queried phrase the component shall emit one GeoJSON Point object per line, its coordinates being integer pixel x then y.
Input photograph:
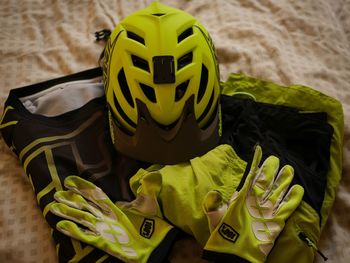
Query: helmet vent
{"type": "Point", "coordinates": [184, 60]}
{"type": "Point", "coordinates": [122, 114]}
{"type": "Point", "coordinates": [203, 83]}
{"type": "Point", "coordinates": [123, 84]}
{"type": "Point", "coordinates": [188, 32]}
{"type": "Point", "coordinates": [158, 14]}
{"type": "Point", "coordinates": [140, 63]}
{"type": "Point", "coordinates": [207, 108]}
{"type": "Point", "coordinates": [149, 92]}
{"type": "Point", "coordinates": [181, 90]}
{"type": "Point", "coordinates": [135, 37]}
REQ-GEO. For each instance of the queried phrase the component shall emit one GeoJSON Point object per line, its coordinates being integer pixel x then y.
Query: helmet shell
{"type": "Point", "coordinates": [156, 61]}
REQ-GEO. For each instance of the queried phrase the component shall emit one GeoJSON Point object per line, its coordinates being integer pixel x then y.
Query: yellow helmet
{"type": "Point", "coordinates": [162, 88]}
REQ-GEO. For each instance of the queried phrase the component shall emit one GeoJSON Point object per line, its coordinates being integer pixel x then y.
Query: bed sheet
{"type": "Point", "coordinates": [288, 42]}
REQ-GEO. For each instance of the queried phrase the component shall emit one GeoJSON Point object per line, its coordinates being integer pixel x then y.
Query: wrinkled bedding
{"type": "Point", "coordinates": [288, 42]}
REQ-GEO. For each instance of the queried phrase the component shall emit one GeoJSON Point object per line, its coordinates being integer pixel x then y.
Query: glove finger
{"type": "Point", "coordinates": [151, 183]}
{"type": "Point", "coordinates": [101, 227]}
{"type": "Point", "coordinates": [76, 201]}
{"type": "Point", "coordinates": [263, 182]}
{"type": "Point", "coordinates": [146, 200]}
{"type": "Point", "coordinates": [70, 198]}
{"type": "Point", "coordinates": [212, 201]}
{"type": "Point", "coordinates": [114, 248]}
{"type": "Point", "coordinates": [214, 208]}
{"type": "Point", "coordinates": [290, 202]}
{"type": "Point", "coordinates": [143, 205]}
{"type": "Point", "coordinates": [254, 168]}
{"type": "Point", "coordinates": [84, 188]}
{"type": "Point", "coordinates": [256, 158]}
{"type": "Point", "coordinates": [281, 185]}
{"type": "Point", "coordinates": [90, 192]}
{"type": "Point", "coordinates": [81, 217]}
{"type": "Point", "coordinates": [71, 229]}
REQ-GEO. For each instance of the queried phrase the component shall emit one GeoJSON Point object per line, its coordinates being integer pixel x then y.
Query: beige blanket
{"type": "Point", "coordinates": [289, 42]}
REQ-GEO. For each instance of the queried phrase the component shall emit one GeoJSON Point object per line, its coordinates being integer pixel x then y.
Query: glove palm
{"type": "Point", "coordinates": [247, 226]}
{"type": "Point", "coordinates": [122, 230]}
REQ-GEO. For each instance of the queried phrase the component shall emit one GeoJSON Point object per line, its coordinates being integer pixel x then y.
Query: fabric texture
{"type": "Point", "coordinates": [301, 42]}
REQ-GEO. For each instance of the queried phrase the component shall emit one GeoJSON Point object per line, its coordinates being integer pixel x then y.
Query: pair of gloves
{"type": "Point", "coordinates": [242, 230]}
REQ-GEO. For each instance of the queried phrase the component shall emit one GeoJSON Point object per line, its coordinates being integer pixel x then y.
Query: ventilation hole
{"type": "Point", "coordinates": [184, 60]}
{"type": "Point", "coordinates": [149, 92]}
{"type": "Point", "coordinates": [188, 32]}
{"type": "Point", "coordinates": [123, 84]}
{"type": "Point", "coordinates": [158, 14]}
{"type": "Point", "coordinates": [122, 115]}
{"type": "Point", "coordinates": [135, 37]}
{"type": "Point", "coordinates": [212, 117]}
{"type": "Point", "coordinates": [207, 108]}
{"type": "Point", "coordinates": [140, 63]}
{"type": "Point", "coordinates": [181, 90]}
{"type": "Point", "coordinates": [203, 83]}
{"type": "Point", "coordinates": [119, 125]}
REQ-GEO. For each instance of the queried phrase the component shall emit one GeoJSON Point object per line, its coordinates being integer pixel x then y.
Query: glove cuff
{"type": "Point", "coordinates": [160, 253]}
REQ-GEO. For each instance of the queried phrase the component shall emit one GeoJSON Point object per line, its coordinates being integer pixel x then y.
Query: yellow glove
{"type": "Point", "coordinates": [131, 231]}
{"type": "Point", "coordinates": [245, 229]}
